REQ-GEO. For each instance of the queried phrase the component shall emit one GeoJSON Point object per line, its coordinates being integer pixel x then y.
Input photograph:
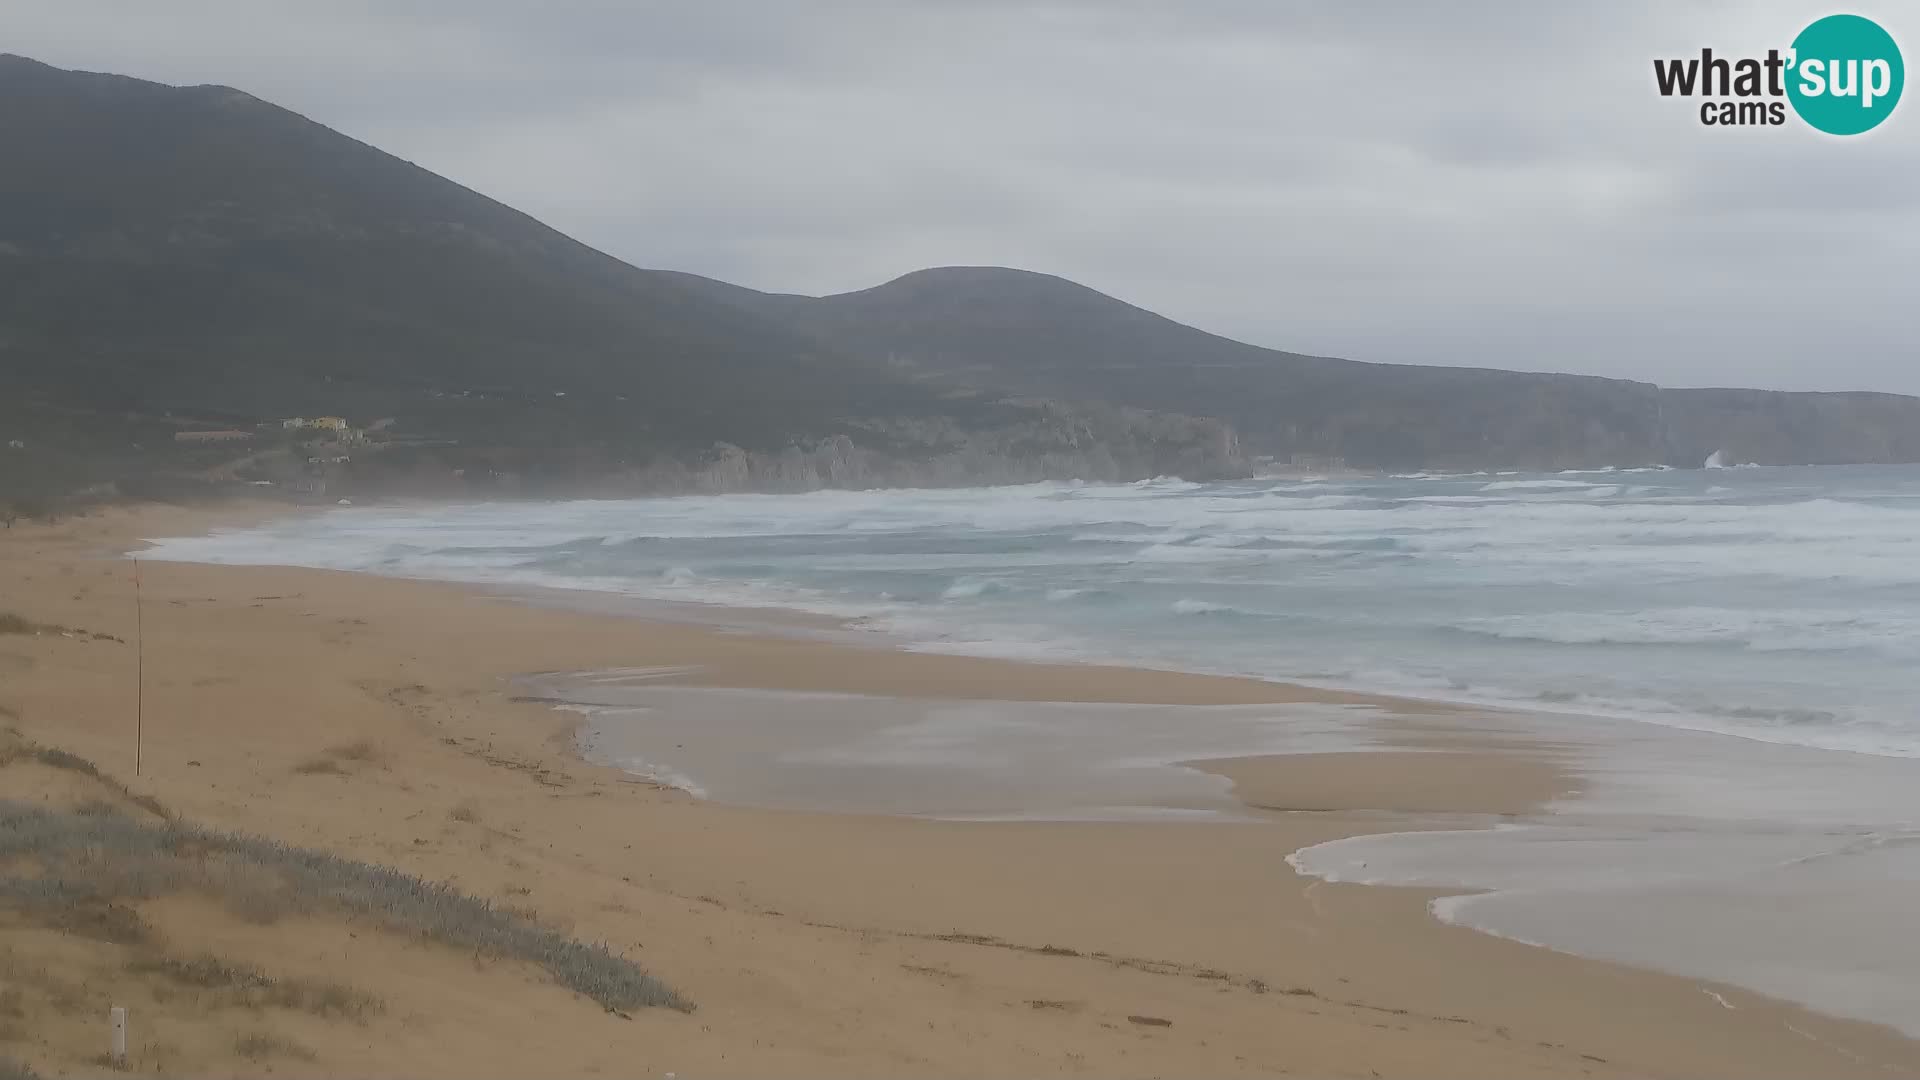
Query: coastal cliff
{"type": "Point", "coordinates": [1043, 441]}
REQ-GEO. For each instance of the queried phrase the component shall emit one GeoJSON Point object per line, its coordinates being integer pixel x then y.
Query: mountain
{"type": "Point", "coordinates": [1044, 335]}
{"type": "Point", "coordinates": [181, 267]}
{"type": "Point", "coordinates": [195, 253]}
{"type": "Point", "coordinates": [198, 248]}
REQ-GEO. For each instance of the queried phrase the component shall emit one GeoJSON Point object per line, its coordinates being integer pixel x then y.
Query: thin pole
{"type": "Point", "coordinates": [139, 670]}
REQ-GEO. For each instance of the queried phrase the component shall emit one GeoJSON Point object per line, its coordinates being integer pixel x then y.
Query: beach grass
{"type": "Point", "coordinates": [19, 749]}
{"type": "Point", "coordinates": [265, 1045]}
{"type": "Point", "coordinates": [361, 750]}
{"type": "Point", "coordinates": [92, 867]}
{"type": "Point", "coordinates": [12, 622]}
{"type": "Point", "coordinates": [237, 984]}
{"type": "Point", "coordinates": [333, 761]}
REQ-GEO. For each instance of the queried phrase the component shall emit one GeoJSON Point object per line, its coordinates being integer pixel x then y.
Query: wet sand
{"type": "Point", "coordinates": [1401, 783]}
{"type": "Point", "coordinates": [814, 943]}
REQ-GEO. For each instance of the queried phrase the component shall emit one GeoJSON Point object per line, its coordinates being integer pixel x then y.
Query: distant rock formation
{"type": "Point", "coordinates": [1049, 441]}
{"type": "Point", "coordinates": [1765, 427]}
{"type": "Point", "coordinates": [1057, 444]}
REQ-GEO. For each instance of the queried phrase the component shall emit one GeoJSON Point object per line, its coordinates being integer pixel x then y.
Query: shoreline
{"type": "Point", "coordinates": [928, 918]}
{"type": "Point", "coordinates": [858, 631]}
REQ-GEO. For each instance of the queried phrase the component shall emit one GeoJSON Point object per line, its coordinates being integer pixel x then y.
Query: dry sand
{"type": "Point", "coordinates": [812, 944]}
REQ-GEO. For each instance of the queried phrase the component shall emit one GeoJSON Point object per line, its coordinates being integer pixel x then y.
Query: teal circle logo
{"type": "Point", "coordinates": [1846, 74]}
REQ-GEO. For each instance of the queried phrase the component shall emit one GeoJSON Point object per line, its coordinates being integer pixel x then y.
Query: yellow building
{"type": "Point", "coordinates": [331, 423]}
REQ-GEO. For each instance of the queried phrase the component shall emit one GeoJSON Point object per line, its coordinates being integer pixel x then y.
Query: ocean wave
{"type": "Point", "coordinates": [1894, 633]}
{"type": "Point", "coordinates": [1187, 606]}
{"type": "Point", "coordinates": [1534, 485]}
{"type": "Point", "coordinates": [1181, 552]}
{"type": "Point", "coordinates": [1805, 582]}
{"type": "Point", "coordinates": [1774, 716]}
{"type": "Point", "coordinates": [970, 588]}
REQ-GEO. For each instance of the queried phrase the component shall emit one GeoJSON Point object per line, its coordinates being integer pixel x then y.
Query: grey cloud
{"type": "Point", "coordinates": [1493, 184]}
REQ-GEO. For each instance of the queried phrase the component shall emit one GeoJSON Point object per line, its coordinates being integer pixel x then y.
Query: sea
{"type": "Point", "coordinates": [1780, 604]}
{"type": "Point", "coordinates": [1727, 658]}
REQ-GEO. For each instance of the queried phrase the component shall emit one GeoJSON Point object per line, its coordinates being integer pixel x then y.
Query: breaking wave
{"type": "Point", "coordinates": [1782, 603]}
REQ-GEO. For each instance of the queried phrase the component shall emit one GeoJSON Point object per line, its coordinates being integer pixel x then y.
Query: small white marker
{"type": "Point", "coordinates": [117, 1017]}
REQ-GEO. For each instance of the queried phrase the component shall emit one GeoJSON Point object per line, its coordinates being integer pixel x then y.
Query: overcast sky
{"type": "Point", "coordinates": [1493, 184]}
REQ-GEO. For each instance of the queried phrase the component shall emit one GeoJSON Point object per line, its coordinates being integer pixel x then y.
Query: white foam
{"type": "Point", "coordinates": [1202, 607]}
{"type": "Point", "coordinates": [1534, 485]}
{"type": "Point", "coordinates": [1894, 630]}
{"type": "Point", "coordinates": [1785, 601]}
{"type": "Point", "coordinates": [665, 775]}
{"type": "Point", "coordinates": [967, 589]}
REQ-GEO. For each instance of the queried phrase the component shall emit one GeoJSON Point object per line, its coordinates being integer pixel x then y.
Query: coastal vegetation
{"type": "Point", "coordinates": [14, 623]}
{"type": "Point", "coordinates": [89, 867]}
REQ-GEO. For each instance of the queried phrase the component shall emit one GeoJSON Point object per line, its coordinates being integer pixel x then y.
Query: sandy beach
{"type": "Point", "coordinates": [381, 720]}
